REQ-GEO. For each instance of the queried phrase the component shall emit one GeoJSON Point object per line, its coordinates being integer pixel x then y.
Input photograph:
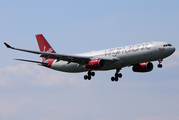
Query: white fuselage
{"type": "Point", "coordinates": [123, 56]}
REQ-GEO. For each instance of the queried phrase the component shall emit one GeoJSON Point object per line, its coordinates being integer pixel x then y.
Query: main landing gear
{"type": "Point", "coordinates": [117, 75]}
{"type": "Point", "coordinates": [88, 76]}
{"type": "Point", "coordinates": [160, 65]}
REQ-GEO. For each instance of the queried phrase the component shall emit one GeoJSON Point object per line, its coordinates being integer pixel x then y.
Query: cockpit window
{"type": "Point", "coordinates": [167, 45]}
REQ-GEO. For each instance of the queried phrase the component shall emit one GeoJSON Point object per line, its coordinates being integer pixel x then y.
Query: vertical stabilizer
{"type": "Point", "coordinates": [44, 46]}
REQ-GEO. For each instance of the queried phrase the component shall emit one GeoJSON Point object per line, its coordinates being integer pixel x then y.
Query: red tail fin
{"type": "Point", "coordinates": [44, 46]}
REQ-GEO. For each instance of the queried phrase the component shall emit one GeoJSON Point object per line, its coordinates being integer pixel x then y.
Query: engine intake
{"type": "Point", "coordinates": [95, 64]}
{"type": "Point", "coordinates": [143, 67]}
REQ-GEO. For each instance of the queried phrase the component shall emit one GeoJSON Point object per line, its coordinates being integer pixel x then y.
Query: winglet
{"type": "Point", "coordinates": [8, 46]}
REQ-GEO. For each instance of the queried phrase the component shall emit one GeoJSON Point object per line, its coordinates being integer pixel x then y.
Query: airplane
{"type": "Point", "coordinates": [138, 56]}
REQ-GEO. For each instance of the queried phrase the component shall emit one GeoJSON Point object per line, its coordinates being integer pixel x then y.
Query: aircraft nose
{"type": "Point", "coordinates": [172, 49]}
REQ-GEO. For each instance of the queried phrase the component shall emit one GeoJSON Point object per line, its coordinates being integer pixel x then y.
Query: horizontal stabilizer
{"type": "Point", "coordinates": [31, 61]}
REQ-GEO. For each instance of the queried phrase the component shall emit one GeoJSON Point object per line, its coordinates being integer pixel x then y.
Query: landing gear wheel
{"type": "Point", "coordinates": [85, 77]}
{"type": "Point", "coordinates": [120, 75]}
{"type": "Point", "coordinates": [159, 65]}
{"type": "Point", "coordinates": [92, 73]}
{"type": "Point", "coordinates": [116, 79]}
{"type": "Point", "coordinates": [116, 76]}
{"type": "Point", "coordinates": [112, 78]}
{"type": "Point", "coordinates": [89, 74]}
{"type": "Point", "coordinates": [89, 77]}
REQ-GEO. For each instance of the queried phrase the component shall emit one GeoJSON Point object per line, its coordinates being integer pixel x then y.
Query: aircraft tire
{"type": "Point", "coordinates": [85, 77]}
{"type": "Point", "coordinates": [120, 75]}
{"type": "Point", "coordinates": [112, 78]}
{"type": "Point", "coordinates": [89, 77]}
{"type": "Point", "coordinates": [92, 73]}
{"type": "Point", "coordinates": [159, 65]}
{"type": "Point", "coordinates": [116, 79]}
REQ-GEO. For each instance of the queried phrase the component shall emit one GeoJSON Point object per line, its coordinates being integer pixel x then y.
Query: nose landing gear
{"type": "Point", "coordinates": [160, 65]}
{"type": "Point", "coordinates": [117, 75]}
{"type": "Point", "coordinates": [88, 76]}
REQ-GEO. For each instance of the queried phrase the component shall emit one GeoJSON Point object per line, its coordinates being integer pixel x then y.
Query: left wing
{"type": "Point", "coordinates": [69, 58]}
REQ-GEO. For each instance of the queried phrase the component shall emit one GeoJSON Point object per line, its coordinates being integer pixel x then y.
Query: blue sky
{"type": "Point", "coordinates": [32, 92]}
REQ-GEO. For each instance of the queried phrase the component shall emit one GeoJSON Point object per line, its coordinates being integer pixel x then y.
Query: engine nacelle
{"type": "Point", "coordinates": [143, 67]}
{"type": "Point", "coordinates": [95, 64]}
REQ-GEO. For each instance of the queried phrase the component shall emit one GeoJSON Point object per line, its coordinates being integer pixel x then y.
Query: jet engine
{"type": "Point", "coordinates": [143, 67]}
{"type": "Point", "coordinates": [95, 64]}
